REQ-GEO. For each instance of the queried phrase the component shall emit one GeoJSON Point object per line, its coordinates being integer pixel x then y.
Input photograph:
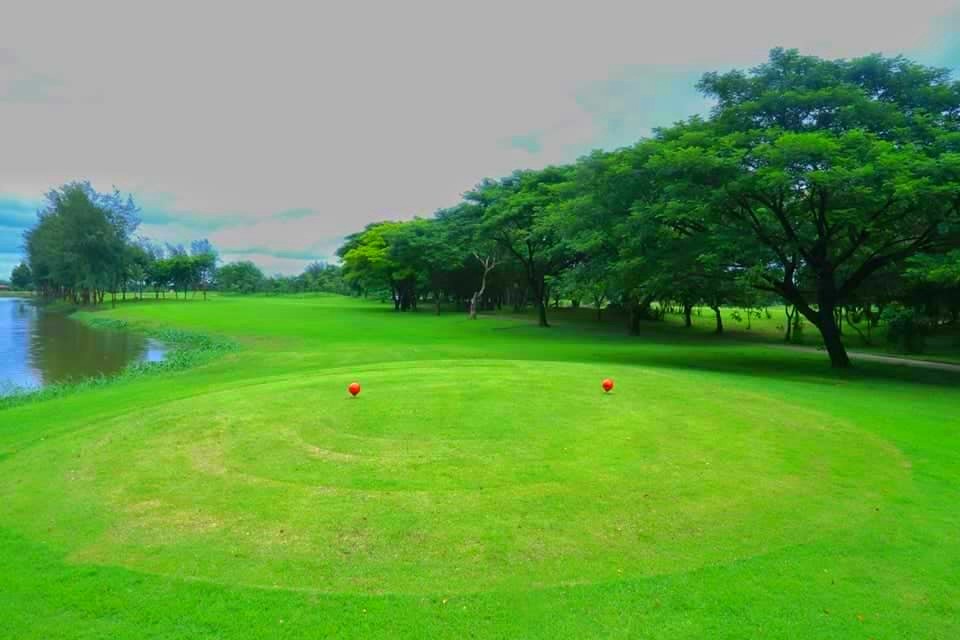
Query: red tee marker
{"type": "Point", "coordinates": [607, 385]}
{"type": "Point", "coordinates": [354, 388]}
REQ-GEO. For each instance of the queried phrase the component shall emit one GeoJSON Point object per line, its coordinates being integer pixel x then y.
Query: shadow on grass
{"type": "Point", "coordinates": [666, 346]}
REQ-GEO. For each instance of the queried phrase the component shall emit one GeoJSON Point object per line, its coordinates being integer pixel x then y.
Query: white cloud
{"type": "Point", "coordinates": [362, 111]}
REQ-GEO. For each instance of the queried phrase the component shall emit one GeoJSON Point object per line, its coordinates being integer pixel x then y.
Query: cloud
{"type": "Point", "coordinates": [17, 212]}
{"type": "Point", "coordinates": [11, 238]}
{"type": "Point", "coordinates": [16, 216]}
{"type": "Point", "coordinates": [284, 126]}
{"type": "Point", "coordinates": [8, 260]}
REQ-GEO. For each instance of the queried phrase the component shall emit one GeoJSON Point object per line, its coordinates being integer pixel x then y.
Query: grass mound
{"type": "Point", "coordinates": [452, 476]}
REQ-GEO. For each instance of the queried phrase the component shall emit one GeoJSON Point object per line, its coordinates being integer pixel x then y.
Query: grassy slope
{"type": "Point", "coordinates": [481, 486]}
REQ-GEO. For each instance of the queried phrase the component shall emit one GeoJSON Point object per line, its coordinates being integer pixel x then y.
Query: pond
{"type": "Point", "coordinates": [39, 347]}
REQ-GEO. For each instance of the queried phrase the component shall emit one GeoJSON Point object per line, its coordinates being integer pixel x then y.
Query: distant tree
{"type": "Point", "coordinates": [136, 268]}
{"type": "Point", "coordinates": [240, 277]}
{"type": "Point", "coordinates": [21, 279]}
{"type": "Point", "coordinates": [183, 272]}
{"type": "Point", "coordinates": [319, 276]}
{"type": "Point", "coordinates": [77, 248]}
{"type": "Point", "coordinates": [204, 257]}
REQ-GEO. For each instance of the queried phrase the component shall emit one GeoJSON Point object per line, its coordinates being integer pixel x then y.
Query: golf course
{"type": "Point", "coordinates": [481, 485]}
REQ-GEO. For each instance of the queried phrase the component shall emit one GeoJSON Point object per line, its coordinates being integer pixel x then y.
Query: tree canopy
{"type": "Point", "coordinates": [810, 180]}
{"type": "Point", "coordinates": [21, 278]}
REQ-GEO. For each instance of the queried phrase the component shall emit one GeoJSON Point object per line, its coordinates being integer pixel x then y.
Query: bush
{"type": "Point", "coordinates": [906, 329]}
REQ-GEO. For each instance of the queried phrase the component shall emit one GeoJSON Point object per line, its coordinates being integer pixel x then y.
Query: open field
{"type": "Point", "coordinates": [482, 485]}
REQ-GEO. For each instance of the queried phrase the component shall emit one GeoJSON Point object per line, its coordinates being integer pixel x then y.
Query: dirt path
{"type": "Point", "coordinates": [878, 357]}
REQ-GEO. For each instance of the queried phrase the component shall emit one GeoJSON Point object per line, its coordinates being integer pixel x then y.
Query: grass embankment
{"type": "Point", "coordinates": [481, 486]}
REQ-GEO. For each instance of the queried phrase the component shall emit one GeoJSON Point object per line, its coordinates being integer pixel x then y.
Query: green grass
{"type": "Point", "coordinates": [482, 485]}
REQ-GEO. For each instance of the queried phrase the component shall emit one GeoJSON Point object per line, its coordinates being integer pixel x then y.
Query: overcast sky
{"type": "Point", "coordinates": [276, 130]}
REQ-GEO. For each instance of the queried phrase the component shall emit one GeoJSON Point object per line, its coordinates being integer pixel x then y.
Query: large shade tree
{"type": "Point", "coordinates": [836, 169]}
{"type": "Point", "coordinates": [522, 213]}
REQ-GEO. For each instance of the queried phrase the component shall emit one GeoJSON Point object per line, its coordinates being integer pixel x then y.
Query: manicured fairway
{"type": "Point", "coordinates": [481, 485]}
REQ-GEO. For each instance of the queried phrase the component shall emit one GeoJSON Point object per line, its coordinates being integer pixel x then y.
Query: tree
{"type": "Point", "coordinates": [21, 278]}
{"type": "Point", "coordinates": [421, 248]}
{"type": "Point", "coordinates": [610, 220]}
{"type": "Point", "coordinates": [77, 248]}
{"type": "Point", "coordinates": [370, 262]}
{"type": "Point", "coordinates": [931, 283]}
{"type": "Point", "coordinates": [204, 257]}
{"type": "Point", "coordinates": [240, 277]}
{"type": "Point", "coordinates": [588, 281]}
{"type": "Point", "coordinates": [182, 271]}
{"type": "Point", "coordinates": [466, 235]}
{"type": "Point", "coordinates": [521, 213]}
{"type": "Point", "coordinates": [835, 169]}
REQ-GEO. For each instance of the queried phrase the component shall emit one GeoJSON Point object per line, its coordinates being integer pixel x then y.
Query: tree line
{"type": "Point", "coordinates": [83, 247]}
{"type": "Point", "coordinates": [830, 185]}
{"type": "Point", "coordinates": [245, 277]}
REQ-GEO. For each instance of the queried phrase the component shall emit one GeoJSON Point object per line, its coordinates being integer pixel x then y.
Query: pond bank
{"type": "Point", "coordinates": [181, 350]}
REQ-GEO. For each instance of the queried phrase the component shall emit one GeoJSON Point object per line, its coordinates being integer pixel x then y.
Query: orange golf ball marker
{"type": "Point", "coordinates": [607, 385]}
{"type": "Point", "coordinates": [354, 388]}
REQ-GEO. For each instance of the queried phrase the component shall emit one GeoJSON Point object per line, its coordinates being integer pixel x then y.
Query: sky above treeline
{"type": "Point", "coordinates": [274, 130]}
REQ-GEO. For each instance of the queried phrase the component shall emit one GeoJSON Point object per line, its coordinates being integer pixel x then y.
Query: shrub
{"type": "Point", "coordinates": [906, 329]}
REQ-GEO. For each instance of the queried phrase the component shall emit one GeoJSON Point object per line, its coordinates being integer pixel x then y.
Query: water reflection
{"type": "Point", "coordinates": [39, 348]}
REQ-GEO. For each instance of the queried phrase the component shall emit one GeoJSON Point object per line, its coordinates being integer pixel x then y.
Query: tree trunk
{"type": "Point", "coordinates": [633, 322]}
{"type": "Point", "coordinates": [687, 312]}
{"type": "Point", "coordinates": [639, 309]}
{"type": "Point", "coordinates": [542, 313]}
{"type": "Point", "coordinates": [719, 329]}
{"type": "Point", "coordinates": [539, 286]}
{"type": "Point", "coordinates": [789, 333]}
{"type": "Point", "coordinates": [475, 299]}
{"type": "Point", "coordinates": [831, 337]}
{"type": "Point", "coordinates": [826, 321]}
